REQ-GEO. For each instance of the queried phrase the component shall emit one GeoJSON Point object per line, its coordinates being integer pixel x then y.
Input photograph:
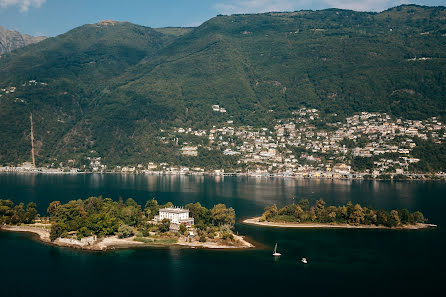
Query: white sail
{"type": "Point", "coordinates": [275, 251]}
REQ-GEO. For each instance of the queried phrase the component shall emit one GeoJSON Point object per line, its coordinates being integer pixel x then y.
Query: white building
{"type": "Point", "coordinates": [176, 215]}
{"type": "Point", "coordinates": [189, 151]}
{"type": "Point", "coordinates": [341, 168]}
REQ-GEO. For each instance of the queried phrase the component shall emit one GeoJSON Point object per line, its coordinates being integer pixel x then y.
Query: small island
{"type": "Point", "coordinates": [303, 215]}
{"type": "Point", "coordinates": [100, 224]}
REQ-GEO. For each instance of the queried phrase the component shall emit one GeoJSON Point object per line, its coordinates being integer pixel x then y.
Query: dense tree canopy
{"type": "Point", "coordinates": [346, 214]}
{"type": "Point", "coordinates": [17, 214]}
{"type": "Point", "coordinates": [103, 217]}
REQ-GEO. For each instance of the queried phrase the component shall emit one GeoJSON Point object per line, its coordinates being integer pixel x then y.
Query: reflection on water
{"type": "Point", "coordinates": [248, 195]}
{"type": "Point", "coordinates": [401, 262]}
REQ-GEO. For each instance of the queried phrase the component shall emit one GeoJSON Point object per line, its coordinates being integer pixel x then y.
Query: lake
{"type": "Point", "coordinates": [341, 262]}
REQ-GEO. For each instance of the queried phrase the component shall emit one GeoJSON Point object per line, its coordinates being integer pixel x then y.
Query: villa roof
{"type": "Point", "coordinates": [174, 210]}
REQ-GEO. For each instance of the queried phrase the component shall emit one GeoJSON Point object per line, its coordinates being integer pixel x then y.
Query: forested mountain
{"type": "Point", "coordinates": [58, 79]}
{"type": "Point", "coordinates": [11, 40]}
{"type": "Point", "coordinates": [111, 87]}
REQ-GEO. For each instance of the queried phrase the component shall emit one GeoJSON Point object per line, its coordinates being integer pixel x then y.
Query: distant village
{"type": "Point", "coordinates": [295, 147]}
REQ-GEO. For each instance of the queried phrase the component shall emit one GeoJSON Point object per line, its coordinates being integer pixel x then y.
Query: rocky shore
{"type": "Point", "coordinates": [113, 242]}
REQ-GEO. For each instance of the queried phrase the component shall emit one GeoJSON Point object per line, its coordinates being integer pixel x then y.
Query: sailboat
{"type": "Point", "coordinates": [276, 254]}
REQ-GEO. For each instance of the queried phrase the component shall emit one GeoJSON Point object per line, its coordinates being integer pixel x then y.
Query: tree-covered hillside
{"type": "Point", "coordinates": [333, 60]}
{"type": "Point", "coordinates": [112, 87]}
{"type": "Point", "coordinates": [58, 79]}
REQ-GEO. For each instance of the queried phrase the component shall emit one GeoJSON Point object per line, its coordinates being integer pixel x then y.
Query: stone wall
{"type": "Point", "coordinates": [83, 242]}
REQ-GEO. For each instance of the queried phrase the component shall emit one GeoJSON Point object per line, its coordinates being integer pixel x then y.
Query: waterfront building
{"type": "Point", "coordinates": [341, 168]}
{"type": "Point", "coordinates": [176, 215]}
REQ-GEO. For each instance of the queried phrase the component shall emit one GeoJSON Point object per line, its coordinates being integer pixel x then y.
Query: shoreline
{"type": "Point", "coordinates": [421, 177]}
{"type": "Point", "coordinates": [113, 242]}
{"type": "Point", "coordinates": [255, 221]}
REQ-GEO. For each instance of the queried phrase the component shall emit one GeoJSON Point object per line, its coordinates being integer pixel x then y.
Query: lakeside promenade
{"type": "Point", "coordinates": [298, 175]}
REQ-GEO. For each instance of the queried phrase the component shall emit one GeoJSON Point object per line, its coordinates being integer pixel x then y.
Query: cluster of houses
{"type": "Point", "coordinates": [33, 82]}
{"type": "Point", "coordinates": [297, 147]}
{"type": "Point", "coordinates": [11, 90]}
{"type": "Point", "coordinates": [6, 91]}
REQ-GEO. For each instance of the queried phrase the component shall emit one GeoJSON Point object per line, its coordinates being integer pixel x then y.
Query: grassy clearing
{"type": "Point", "coordinates": [156, 240]}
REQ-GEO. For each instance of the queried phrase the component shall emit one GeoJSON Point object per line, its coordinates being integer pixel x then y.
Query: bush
{"type": "Point", "coordinates": [183, 229]}
{"type": "Point", "coordinates": [164, 226]}
{"type": "Point", "coordinates": [125, 231]}
{"type": "Point", "coordinates": [202, 238]}
{"type": "Point", "coordinates": [56, 231]}
{"type": "Point", "coordinates": [227, 235]}
{"type": "Point", "coordinates": [419, 217]}
{"type": "Point", "coordinates": [145, 232]}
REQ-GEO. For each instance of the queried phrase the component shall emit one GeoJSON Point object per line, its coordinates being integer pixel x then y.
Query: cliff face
{"type": "Point", "coordinates": [11, 40]}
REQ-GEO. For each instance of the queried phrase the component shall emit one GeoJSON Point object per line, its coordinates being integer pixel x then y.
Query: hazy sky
{"type": "Point", "coordinates": [52, 17]}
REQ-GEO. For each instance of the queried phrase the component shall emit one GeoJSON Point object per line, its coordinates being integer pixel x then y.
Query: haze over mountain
{"type": "Point", "coordinates": [11, 40]}
{"type": "Point", "coordinates": [109, 89]}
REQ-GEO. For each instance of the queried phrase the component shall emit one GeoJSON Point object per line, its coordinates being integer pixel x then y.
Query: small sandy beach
{"type": "Point", "coordinates": [239, 243]}
{"type": "Point", "coordinates": [256, 221]}
{"type": "Point", "coordinates": [42, 230]}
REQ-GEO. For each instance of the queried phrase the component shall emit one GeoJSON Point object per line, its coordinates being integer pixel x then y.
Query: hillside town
{"type": "Point", "coordinates": [294, 147]}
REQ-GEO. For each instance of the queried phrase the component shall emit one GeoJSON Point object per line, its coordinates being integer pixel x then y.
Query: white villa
{"type": "Point", "coordinates": [176, 215]}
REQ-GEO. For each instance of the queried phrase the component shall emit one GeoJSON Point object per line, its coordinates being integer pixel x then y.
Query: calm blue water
{"type": "Point", "coordinates": [341, 262]}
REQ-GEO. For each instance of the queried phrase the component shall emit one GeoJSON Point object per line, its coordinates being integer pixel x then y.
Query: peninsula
{"type": "Point", "coordinates": [302, 215]}
{"type": "Point", "coordinates": [99, 224]}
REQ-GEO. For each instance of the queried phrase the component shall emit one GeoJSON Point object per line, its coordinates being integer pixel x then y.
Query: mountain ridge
{"type": "Point", "coordinates": [11, 40]}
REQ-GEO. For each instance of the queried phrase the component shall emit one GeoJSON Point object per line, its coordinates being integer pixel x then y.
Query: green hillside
{"type": "Point", "coordinates": [73, 67]}
{"type": "Point", "coordinates": [113, 86]}
{"type": "Point", "coordinates": [174, 31]}
{"type": "Point", "coordinates": [333, 60]}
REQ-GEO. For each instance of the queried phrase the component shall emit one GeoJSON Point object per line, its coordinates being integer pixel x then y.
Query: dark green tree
{"type": "Point", "coordinates": [31, 213]}
{"type": "Point", "coordinates": [221, 215]}
{"type": "Point", "coordinates": [394, 219]}
{"type": "Point", "coordinates": [56, 231]}
{"type": "Point", "coordinates": [304, 204]}
{"type": "Point", "coordinates": [52, 208]}
{"type": "Point", "coordinates": [270, 212]}
{"type": "Point", "coordinates": [201, 214]}
{"type": "Point", "coordinates": [319, 208]}
{"type": "Point", "coordinates": [419, 217]}
{"type": "Point", "coordinates": [404, 216]}
{"type": "Point", "coordinates": [164, 226]}
{"type": "Point", "coordinates": [357, 216]}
